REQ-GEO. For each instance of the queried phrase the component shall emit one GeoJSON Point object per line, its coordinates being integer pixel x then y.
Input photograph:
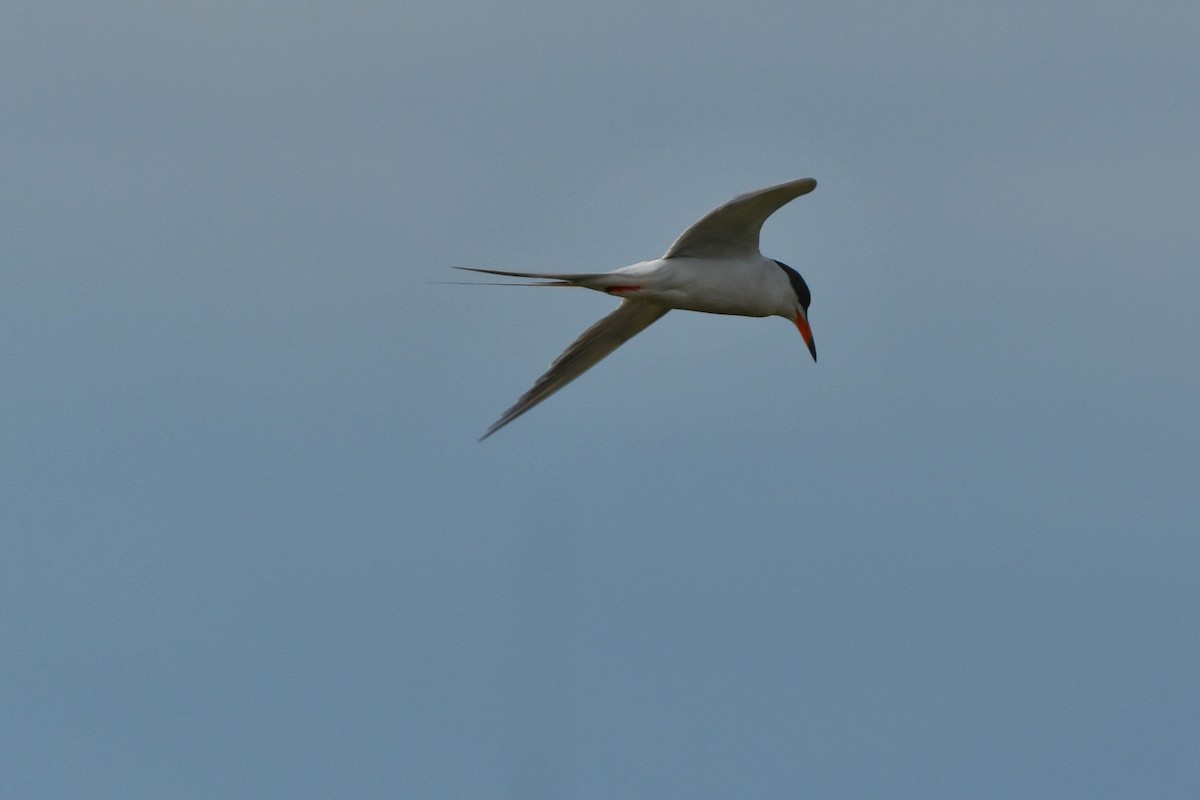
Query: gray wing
{"type": "Point", "coordinates": [631, 318]}
{"type": "Point", "coordinates": [732, 229]}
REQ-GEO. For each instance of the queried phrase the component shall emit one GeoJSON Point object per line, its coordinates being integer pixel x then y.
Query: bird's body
{"type": "Point", "coordinates": [748, 287]}
{"type": "Point", "coordinates": [714, 267]}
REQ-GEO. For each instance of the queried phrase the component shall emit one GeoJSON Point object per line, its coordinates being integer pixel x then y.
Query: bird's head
{"type": "Point", "coordinates": [799, 312]}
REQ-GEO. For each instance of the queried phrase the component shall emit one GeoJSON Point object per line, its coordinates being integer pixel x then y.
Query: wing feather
{"type": "Point", "coordinates": [732, 230]}
{"type": "Point", "coordinates": [631, 318]}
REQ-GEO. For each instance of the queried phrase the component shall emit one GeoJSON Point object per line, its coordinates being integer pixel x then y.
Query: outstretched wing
{"type": "Point", "coordinates": [732, 230]}
{"type": "Point", "coordinates": [631, 318]}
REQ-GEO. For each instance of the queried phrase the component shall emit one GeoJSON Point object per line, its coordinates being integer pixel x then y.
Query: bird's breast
{"type": "Point", "coordinates": [714, 286]}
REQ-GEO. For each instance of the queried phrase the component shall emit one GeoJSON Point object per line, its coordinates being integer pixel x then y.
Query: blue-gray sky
{"type": "Point", "coordinates": [251, 547]}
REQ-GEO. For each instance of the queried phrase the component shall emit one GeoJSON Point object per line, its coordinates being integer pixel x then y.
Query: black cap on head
{"type": "Point", "coordinates": [798, 285]}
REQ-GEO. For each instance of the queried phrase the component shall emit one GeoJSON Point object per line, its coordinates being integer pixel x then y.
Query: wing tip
{"type": "Point", "coordinates": [804, 185]}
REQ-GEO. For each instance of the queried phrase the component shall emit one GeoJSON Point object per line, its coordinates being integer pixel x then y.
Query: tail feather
{"type": "Point", "coordinates": [546, 278]}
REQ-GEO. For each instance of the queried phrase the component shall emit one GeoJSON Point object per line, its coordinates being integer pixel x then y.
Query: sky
{"type": "Point", "coordinates": [250, 546]}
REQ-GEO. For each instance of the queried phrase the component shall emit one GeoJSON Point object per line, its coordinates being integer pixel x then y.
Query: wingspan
{"type": "Point", "coordinates": [631, 318]}
{"type": "Point", "coordinates": [732, 230]}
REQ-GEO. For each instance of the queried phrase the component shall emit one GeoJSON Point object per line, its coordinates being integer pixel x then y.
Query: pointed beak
{"type": "Point", "coordinates": [806, 332]}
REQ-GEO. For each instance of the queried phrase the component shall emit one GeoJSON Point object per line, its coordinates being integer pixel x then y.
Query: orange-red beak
{"type": "Point", "coordinates": [806, 332]}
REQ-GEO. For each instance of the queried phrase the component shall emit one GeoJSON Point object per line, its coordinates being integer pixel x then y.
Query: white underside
{"type": "Point", "coordinates": [751, 286]}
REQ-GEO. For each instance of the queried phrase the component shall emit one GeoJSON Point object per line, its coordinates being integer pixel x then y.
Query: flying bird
{"type": "Point", "coordinates": [714, 266]}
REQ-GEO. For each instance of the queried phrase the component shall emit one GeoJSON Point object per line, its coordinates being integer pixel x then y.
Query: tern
{"type": "Point", "coordinates": [714, 266]}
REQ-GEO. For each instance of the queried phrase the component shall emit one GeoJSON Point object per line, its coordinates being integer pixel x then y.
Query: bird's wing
{"type": "Point", "coordinates": [732, 230]}
{"type": "Point", "coordinates": [631, 318]}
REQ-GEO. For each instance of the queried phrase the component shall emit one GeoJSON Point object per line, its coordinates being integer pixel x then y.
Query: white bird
{"type": "Point", "coordinates": [714, 266]}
